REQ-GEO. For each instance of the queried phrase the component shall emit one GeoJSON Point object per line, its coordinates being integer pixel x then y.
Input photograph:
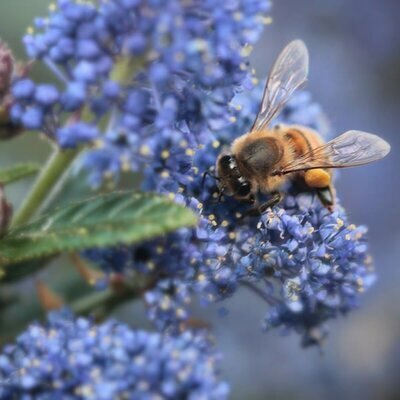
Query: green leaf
{"type": "Point", "coordinates": [101, 221]}
{"type": "Point", "coordinates": [17, 172]}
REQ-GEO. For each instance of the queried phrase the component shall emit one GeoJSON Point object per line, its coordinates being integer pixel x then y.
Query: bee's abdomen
{"type": "Point", "coordinates": [302, 140]}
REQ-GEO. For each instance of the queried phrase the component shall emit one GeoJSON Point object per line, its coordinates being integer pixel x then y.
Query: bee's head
{"type": "Point", "coordinates": [231, 181]}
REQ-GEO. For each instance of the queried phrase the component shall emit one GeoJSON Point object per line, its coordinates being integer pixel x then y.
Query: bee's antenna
{"type": "Point", "coordinates": [210, 174]}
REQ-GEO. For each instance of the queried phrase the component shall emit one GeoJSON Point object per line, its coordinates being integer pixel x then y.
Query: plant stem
{"type": "Point", "coordinates": [87, 303]}
{"type": "Point", "coordinates": [107, 299]}
{"type": "Point", "coordinates": [52, 172]}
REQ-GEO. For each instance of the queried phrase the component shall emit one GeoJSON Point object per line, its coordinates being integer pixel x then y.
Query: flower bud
{"type": "Point", "coordinates": [7, 63]}
{"type": "Point", "coordinates": [5, 211]}
{"type": "Point", "coordinates": [48, 299]}
{"type": "Point", "coordinates": [8, 129]}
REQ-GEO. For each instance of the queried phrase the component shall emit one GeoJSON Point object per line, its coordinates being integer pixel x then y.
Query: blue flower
{"type": "Point", "coordinates": [71, 135]}
{"type": "Point", "coordinates": [72, 358]}
{"type": "Point", "coordinates": [23, 89]}
{"type": "Point", "coordinates": [46, 95]}
{"type": "Point", "coordinates": [32, 118]}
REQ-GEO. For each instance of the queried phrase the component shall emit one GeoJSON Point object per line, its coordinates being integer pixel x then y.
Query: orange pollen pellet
{"type": "Point", "coordinates": [317, 178]}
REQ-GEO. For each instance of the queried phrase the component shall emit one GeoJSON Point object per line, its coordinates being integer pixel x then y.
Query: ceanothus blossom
{"type": "Point", "coordinates": [73, 358]}
{"type": "Point", "coordinates": [160, 88]}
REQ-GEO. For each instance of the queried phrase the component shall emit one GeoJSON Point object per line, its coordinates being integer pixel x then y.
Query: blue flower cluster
{"type": "Point", "coordinates": [177, 266]}
{"type": "Point", "coordinates": [160, 88]}
{"type": "Point", "coordinates": [144, 82]}
{"type": "Point", "coordinates": [73, 359]}
{"type": "Point", "coordinates": [311, 263]}
{"type": "Point", "coordinates": [308, 264]}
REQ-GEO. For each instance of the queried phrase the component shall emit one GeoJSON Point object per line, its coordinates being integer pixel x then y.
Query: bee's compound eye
{"type": "Point", "coordinates": [244, 189]}
{"type": "Point", "coordinates": [225, 161]}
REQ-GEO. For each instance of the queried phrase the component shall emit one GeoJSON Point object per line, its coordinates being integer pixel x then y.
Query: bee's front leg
{"type": "Point", "coordinates": [258, 209]}
{"type": "Point", "coordinates": [276, 197]}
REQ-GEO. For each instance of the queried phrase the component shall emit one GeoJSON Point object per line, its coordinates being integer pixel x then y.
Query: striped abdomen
{"type": "Point", "coordinates": [301, 139]}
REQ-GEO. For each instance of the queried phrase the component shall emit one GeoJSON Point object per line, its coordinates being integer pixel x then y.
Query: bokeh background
{"type": "Point", "coordinates": [355, 76]}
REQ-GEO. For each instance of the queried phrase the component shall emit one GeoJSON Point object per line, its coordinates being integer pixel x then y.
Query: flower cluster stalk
{"type": "Point", "coordinates": [56, 166]}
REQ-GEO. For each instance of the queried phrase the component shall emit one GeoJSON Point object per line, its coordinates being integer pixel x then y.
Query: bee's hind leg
{"type": "Point", "coordinates": [327, 197]}
{"type": "Point", "coordinates": [320, 180]}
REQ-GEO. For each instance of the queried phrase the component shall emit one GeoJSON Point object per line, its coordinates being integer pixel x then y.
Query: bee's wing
{"type": "Point", "coordinates": [288, 74]}
{"type": "Point", "coordinates": [350, 149]}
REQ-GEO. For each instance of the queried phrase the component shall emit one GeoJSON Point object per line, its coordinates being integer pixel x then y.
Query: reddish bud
{"type": "Point", "coordinates": [48, 299]}
{"type": "Point", "coordinates": [5, 212]}
{"type": "Point", "coordinates": [7, 63]}
{"type": "Point", "coordinates": [90, 275]}
{"type": "Point", "coordinates": [8, 68]}
{"type": "Point", "coordinates": [8, 129]}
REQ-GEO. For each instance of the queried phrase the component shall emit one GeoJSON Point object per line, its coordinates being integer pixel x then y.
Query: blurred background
{"type": "Point", "coordinates": [355, 76]}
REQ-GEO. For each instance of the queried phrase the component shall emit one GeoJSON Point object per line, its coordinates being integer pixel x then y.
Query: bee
{"type": "Point", "coordinates": [266, 157]}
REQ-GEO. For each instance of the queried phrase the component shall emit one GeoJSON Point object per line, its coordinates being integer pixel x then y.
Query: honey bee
{"type": "Point", "coordinates": [264, 158]}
